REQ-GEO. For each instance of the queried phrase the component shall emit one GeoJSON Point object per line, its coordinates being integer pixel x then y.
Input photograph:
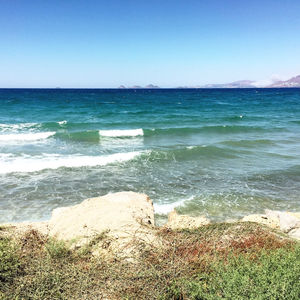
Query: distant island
{"type": "Point", "coordinates": [293, 82]}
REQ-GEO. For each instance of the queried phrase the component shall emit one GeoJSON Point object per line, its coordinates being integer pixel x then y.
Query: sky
{"type": "Point", "coordinates": [99, 44]}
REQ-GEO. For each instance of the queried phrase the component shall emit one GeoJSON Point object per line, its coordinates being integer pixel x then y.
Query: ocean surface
{"type": "Point", "coordinates": [223, 153]}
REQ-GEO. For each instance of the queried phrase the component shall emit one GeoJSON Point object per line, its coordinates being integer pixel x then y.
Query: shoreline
{"type": "Point", "coordinates": [133, 209]}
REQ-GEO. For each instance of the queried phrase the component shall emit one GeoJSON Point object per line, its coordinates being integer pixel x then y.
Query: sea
{"type": "Point", "coordinates": [223, 153]}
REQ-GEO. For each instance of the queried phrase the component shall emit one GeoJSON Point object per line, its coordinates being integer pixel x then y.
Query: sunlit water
{"type": "Point", "coordinates": [223, 153]}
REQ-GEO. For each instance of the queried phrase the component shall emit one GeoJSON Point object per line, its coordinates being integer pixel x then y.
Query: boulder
{"type": "Point", "coordinates": [123, 217]}
{"type": "Point", "coordinates": [112, 225]}
{"type": "Point", "coordinates": [176, 221]}
{"type": "Point", "coordinates": [287, 222]}
{"type": "Point", "coordinates": [118, 213]}
{"type": "Point", "coordinates": [269, 221]}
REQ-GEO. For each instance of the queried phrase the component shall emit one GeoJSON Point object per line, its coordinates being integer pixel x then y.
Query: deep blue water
{"type": "Point", "coordinates": [221, 152]}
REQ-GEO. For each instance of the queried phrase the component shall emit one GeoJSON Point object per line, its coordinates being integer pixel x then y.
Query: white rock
{"type": "Point", "coordinates": [287, 221]}
{"type": "Point", "coordinates": [121, 214]}
{"type": "Point", "coordinates": [270, 221]}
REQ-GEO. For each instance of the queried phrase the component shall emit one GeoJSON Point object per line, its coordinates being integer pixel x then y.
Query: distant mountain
{"type": "Point", "coordinates": [293, 82]}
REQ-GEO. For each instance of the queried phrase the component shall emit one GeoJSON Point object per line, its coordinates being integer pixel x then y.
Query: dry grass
{"type": "Point", "coordinates": [48, 269]}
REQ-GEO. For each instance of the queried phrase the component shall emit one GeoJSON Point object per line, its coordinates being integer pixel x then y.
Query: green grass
{"type": "Point", "coordinates": [219, 261]}
{"type": "Point", "coordinates": [57, 249]}
{"type": "Point", "coordinates": [9, 259]}
{"type": "Point", "coordinates": [273, 275]}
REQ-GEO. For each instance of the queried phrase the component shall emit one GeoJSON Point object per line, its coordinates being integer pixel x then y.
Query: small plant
{"type": "Point", "coordinates": [57, 249]}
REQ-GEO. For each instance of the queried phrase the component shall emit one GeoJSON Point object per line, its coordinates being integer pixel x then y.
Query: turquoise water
{"type": "Point", "coordinates": [224, 153]}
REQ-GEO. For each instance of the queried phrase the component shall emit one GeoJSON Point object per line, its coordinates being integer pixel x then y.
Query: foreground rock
{"type": "Point", "coordinates": [120, 214]}
{"type": "Point", "coordinates": [123, 217]}
{"type": "Point", "coordinates": [287, 222]}
{"type": "Point", "coordinates": [176, 221]}
{"type": "Point", "coordinates": [114, 223]}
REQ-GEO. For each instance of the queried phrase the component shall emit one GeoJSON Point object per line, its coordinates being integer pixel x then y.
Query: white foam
{"type": "Point", "coordinates": [46, 161]}
{"type": "Point", "coordinates": [26, 136]}
{"type": "Point", "coordinates": [62, 122]}
{"type": "Point", "coordinates": [164, 209]}
{"type": "Point", "coordinates": [121, 133]}
{"type": "Point", "coordinates": [16, 127]}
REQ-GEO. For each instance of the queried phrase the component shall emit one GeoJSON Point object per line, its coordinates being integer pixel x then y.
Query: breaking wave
{"type": "Point", "coordinates": [26, 136]}
{"type": "Point", "coordinates": [23, 164]}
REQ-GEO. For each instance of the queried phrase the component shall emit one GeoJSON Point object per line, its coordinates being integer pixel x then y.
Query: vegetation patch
{"type": "Point", "coordinates": [9, 260]}
{"type": "Point", "coordinates": [219, 261]}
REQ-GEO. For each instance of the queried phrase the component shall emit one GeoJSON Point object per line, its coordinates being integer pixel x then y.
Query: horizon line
{"type": "Point", "coordinates": [145, 88]}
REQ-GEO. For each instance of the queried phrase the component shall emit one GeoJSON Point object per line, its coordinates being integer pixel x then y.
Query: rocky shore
{"type": "Point", "coordinates": [110, 248]}
{"type": "Point", "coordinates": [127, 217]}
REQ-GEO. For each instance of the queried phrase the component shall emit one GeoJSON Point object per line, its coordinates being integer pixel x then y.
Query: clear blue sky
{"type": "Point", "coordinates": [69, 43]}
